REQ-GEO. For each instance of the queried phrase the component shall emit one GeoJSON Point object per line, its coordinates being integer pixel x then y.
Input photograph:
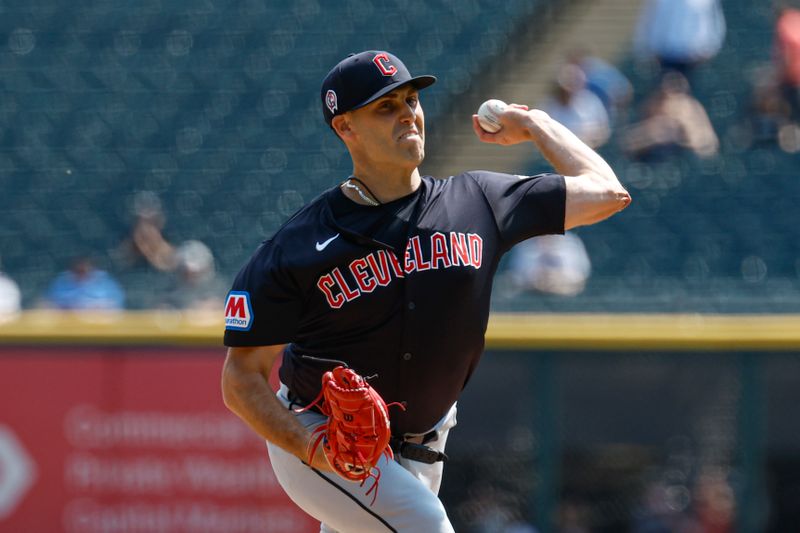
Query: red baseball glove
{"type": "Point", "coordinates": [357, 432]}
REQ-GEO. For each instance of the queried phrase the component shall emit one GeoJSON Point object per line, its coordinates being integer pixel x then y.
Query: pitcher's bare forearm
{"type": "Point", "coordinates": [563, 149]}
{"type": "Point", "coordinates": [593, 191]}
{"type": "Point", "coordinates": [246, 392]}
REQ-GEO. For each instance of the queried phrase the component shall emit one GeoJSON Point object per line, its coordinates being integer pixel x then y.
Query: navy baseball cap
{"type": "Point", "coordinates": [363, 78]}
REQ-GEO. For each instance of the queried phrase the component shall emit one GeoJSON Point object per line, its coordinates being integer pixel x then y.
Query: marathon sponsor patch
{"type": "Point", "coordinates": [238, 311]}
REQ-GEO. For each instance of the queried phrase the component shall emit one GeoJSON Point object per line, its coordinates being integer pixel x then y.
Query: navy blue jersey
{"type": "Point", "coordinates": [401, 290]}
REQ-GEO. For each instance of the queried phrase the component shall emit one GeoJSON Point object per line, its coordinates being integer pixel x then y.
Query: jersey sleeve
{"type": "Point", "coordinates": [264, 305]}
{"type": "Point", "coordinates": [524, 206]}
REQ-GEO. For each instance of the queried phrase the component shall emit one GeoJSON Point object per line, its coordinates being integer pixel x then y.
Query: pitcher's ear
{"type": "Point", "coordinates": [341, 125]}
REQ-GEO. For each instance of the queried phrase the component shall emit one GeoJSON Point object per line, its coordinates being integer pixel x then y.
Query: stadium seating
{"type": "Point", "coordinates": [213, 105]}
{"type": "Point", "coordinates": [714, 235]}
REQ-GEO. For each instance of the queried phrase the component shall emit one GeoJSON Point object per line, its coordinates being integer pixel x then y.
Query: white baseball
{"type": "Point", "coordinates": [489, 115]}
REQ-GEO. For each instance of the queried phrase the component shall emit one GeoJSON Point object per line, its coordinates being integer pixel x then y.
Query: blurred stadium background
{"type": "Point", "coordinates": [661, 397]}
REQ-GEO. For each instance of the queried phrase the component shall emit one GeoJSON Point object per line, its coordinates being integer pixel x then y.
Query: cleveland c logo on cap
{"type": "Point", "coordinates": [331, 101]}
{"type": "Point", "coordinates": [382, 62]}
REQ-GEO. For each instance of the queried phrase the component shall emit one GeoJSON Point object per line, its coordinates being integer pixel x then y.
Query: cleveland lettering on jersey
{"type": "Point", "coordinates": [379, 268]}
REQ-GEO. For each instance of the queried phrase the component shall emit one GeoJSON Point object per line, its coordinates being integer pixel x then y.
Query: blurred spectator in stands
{"type": "Point", "coordinates": [604, 80]}
{"type": "Point", "coordinates": [673, 121]}
{"type": "Point", "coordinates": [553, 264]}
{"type": "Point", "coordinates": [663, 510]}
{"type": "Point", "coordinates": [787, 57]}
{"type": "Point", "coordinates": [774, 113]}
{"type": "Point", "coordinates": [714, 505]}
{"type": "Point", "coordinates": [10, 298]}
{"type": "Point", "coordinates": [84, 287]}
{"type": "Point", "coordinates": [146, 241]}
{"type": "Point", "coordinates": [769, 110]}
{"type": "Point", "coordinates": [197, 286]}
{"type": "Point", "coordinates": [577, 108]}
{"type": "Point", "coordinates": [680, 34]}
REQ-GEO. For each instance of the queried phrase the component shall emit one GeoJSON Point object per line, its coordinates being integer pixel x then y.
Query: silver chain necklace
{"type": "Point", "coordinates": [350, 185]}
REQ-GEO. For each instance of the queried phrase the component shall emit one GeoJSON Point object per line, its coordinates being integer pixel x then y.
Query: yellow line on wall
{"type": "Point", "coordinates": [130, 327]}
{"type": "Point", "coordinates": [645, 331]}
{"type": "Point", "coordinates": [506, 331]}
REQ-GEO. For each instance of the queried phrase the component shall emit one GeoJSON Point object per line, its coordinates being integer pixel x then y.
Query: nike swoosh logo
{"type": "Point", "coordinates": [322, 246]}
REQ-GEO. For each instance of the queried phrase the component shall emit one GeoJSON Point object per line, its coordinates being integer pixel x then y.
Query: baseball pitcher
{"type": "Point", "coordinates": [375, 297]}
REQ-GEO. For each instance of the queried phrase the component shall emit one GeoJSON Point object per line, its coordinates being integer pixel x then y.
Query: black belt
{"type": "Point", "coordinates": [417, 452]}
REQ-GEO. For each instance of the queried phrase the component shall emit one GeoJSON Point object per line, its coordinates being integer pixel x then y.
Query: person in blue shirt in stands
{"type": "Point", "coordinates": [84, 287]}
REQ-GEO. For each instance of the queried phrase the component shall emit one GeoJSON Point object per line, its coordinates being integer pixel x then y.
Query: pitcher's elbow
{"type": "Point", "coordinates": [617, 200]}
{"type": "Point", "coordinates": [622, 199]}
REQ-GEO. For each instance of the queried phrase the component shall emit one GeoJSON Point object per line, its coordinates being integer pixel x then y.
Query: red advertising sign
{"type": "Point", "coordinates": [130, 440]}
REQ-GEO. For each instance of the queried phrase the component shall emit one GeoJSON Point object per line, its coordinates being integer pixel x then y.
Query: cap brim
{"type": "Point", "coordinates": [419, 83]}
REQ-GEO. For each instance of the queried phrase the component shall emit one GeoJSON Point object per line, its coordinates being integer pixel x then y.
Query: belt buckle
{"type": "Point", "coordinates": [422, 439]}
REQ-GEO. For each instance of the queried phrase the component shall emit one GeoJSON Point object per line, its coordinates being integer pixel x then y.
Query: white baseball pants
{"type": "Point", "coordinates": [407, 498]}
